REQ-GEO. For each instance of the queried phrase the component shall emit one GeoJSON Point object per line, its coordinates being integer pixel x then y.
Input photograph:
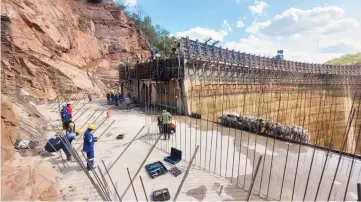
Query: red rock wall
{"type": "Point", "coordinates": [9, 131]}
{"type": "Point", "coordinates": [58, 41]}
{"type": "Point", "coordinates": [23, 178]}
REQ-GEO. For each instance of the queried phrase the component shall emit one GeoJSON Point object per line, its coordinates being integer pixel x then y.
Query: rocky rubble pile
{"type": "Point", "coordinates": [265, 127]}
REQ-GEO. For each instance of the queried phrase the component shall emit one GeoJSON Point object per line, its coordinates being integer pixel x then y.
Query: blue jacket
{"type": "Point", "coordinates": [64, 114]}
{"type": "Point", "coordinates": [71, 136]}
{"type": "Point", "coordinates": [88, 142]}
{"type": "Point", "coordinates": [56, 142]}
{"type": "Point", "coordinates": [62, 111]}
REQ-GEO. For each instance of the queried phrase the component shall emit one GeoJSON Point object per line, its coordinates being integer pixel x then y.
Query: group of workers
{"type": "Point", "coordinates": [57, 143]}
{"type": "Point", "coordinates": [156, 53]}
{"type": "Point", "coordinates": [116, 99]}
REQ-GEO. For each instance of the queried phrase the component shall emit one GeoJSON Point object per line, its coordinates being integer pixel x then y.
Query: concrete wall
{"type": "Point", "coordinates": [321, 109]}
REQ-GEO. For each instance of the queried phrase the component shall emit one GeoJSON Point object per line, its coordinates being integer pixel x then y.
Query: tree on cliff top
{"type": "Point", "coordinates": [158, 37]}
{"type": "Point", "coordinates": [349, 59]}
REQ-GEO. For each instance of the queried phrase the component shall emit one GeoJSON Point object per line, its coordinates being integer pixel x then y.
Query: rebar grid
{"type": "Point", "coordinates": [318, 108]}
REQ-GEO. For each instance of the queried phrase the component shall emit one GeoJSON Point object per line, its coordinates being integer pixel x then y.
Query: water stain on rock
{"type": "Point", "coordinates": [198, 193]}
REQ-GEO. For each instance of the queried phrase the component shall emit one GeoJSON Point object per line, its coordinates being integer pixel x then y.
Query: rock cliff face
{"type": "Point", "coordinates": [55, 48]}
{"type": "Point", "coordinates": [9, 131]}
{"type": "Point", "coordinates": [23, 178]}
{"type": "Point", "coordinates": [65, 43]}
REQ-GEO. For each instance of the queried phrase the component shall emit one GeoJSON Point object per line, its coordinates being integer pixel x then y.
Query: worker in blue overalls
{"type": "Point", "coordinates": [56, 143]}
{"type": "Point", "coordinates": [88, 146]}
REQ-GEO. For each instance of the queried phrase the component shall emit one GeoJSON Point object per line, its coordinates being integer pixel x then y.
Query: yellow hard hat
{"type": "Point", "coordinates": [91, 126]}
{"type": "Point", "coordinates": [79, 132]}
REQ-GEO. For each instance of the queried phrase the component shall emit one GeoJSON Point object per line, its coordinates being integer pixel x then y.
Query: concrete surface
{"type": "Point", "coordinates": [226, 157]}
{"type": "Point", "coordinates": [199, 185]}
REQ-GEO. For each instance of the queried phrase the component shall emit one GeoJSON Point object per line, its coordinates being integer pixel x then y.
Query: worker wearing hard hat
{"type": "Point", "coordinates": [166, 122]}
{"type": "Point", "coordinates": [88, 146]}
{"type": "Point", "coordinates": [56, 143]}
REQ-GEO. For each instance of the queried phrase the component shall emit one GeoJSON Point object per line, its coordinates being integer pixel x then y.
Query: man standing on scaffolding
{"type": "Point", "coordinates": [166, 124]}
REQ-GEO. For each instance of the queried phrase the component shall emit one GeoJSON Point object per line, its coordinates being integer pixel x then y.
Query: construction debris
{"type": "Point", "coordinates": [265, 127]}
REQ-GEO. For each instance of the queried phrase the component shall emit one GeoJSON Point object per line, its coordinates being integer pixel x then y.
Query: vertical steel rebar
{"type": "Point", "coordinates": [288, 148]}
{"type": "Point", "coordinates": [234, 147]}
{"type": "Point", "coordinates": [104, 180]}
{"type": "Point", "coordinates": [214, 110]}
{"type": "Point", "coordinates": [254, 178]}
{"type": "Point", "coordinates": [190, 123]}
{"type": "Point", "coordinates": [145, 193]}
{"type": "Point", "coordinates": [141, 166]}
{"type": "Point", "coordinates": [80, 163]}
{"type": "Point", "coordinates": [350, 118]}
{"type": "Point", "coordinates": [240, 142]}
{"type": "Point", "coordinates": [200, 127]}
{"type": "Point", "coordinates": [101, 185]}
{"type": "Point", "coordinates": [229, 136]}
{"type": "Point", "coordinates": [205, 148]}
{"type": "Point", "coordinates": [196, 138]}
{"type": "Point", "coordinates": [298, 160]}
{"type": "Point", "coordinates": [340, 156]}
{"type": "Point", "coordinates": [221, 156]}
{"type": "Point", "coordinates": [245, 168]}
{"type": "Point", "coordinates": [352, 164]}
{"type": "Point", "coordinates": [186, 174]}
{"type": "Point", "coordinates": [215, 153]}
{"type": "Point", "coordinates": [257, 126]}
{"type": "Point", "coordinates": [131, 182]}
{"type": "Point", "coordinates": [314, 150]}
{"type": "Point", "coordinates": [273, 147]}
{"type": "Point", "coordinates": [111, 180]}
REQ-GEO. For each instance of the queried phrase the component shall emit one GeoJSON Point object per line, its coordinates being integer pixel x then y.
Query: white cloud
{"type": "Point", "coordinates": [306, 47]}
{"type": "Point", "coordinates": [130, 3]}
{"type": "Point", "coordinates": [313, 35]}
{"type": "Point", "coordinates": [340, 25]}
{"type": "Point", "coordinates": [201, 33]}
{"type": "Point", "coordinates": [258, 7]}
{"type": "Point", "coordinates": [340, 45]}
{"type": "Point", "coordinates": [293, 21]}
{"type": "Point", "coordinates": [226, 27]}
{"type": "Point", "coordinates": [239, 24]}
{"type": "Point", "coordinates": [253, 45]}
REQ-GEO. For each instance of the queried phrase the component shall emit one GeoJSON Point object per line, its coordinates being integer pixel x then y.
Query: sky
{"type": "Point", "coordinates": [307, 30]}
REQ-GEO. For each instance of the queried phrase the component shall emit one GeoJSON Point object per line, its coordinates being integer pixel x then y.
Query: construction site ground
{"type": "Point", "coordinates": [199, 185]}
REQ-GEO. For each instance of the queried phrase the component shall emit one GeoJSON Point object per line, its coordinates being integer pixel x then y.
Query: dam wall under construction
{"type": "Point", "coordinates": [208, 81]}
